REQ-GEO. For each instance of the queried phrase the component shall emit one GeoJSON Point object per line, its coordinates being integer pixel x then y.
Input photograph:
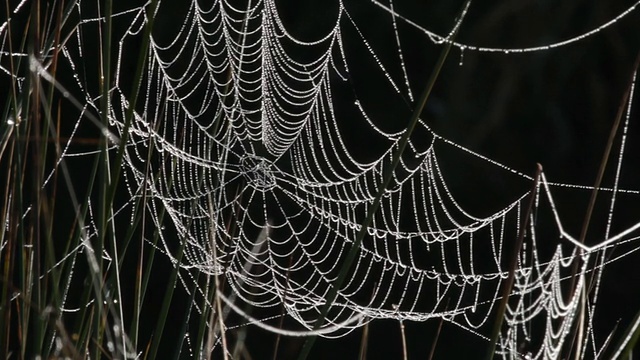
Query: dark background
{"type": "Point", "coordinates": [553, 107]}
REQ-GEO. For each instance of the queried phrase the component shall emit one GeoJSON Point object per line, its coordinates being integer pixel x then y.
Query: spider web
{"type": "Point", "coordinates": [241, 148]}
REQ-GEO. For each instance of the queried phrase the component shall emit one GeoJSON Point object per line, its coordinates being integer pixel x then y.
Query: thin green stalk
{"type": "Point", "coordinates": [65, 12]}
{"type": "Point", "coordinates": [139, 215]}
{"type": "Point", "coordinates": [435, 340]}
{"type": "Point", "coordinates": [77, 239]}
{"type": "Point", "coordinates": [8, 264]}
{"type": "Point", "coordinates": [83, 327]}
{"type": "Point", "coordinates": [117, 167]}
{"type": "Point", "coordinates": [164, 311]}
{"type": "Point", "coordinates": [46, 203]}
{"type": "Point", "coordinates": [364, 343]}
{"type": "Point", "coordinates": [185, 324]}
{"type": "Point", "coordinates": [147, 272]}
{"type": "Point", "coordinates": [146, 275]}
{"type": "Point", "coordinates": [388, 175]}
{"type": "Point", "coordinates": [29, 276]}
{"type": "Point", "coordinates": [23, 242]}
{"type": "Point", "coordinates": [104, 207]}
{"type": "Point", "coordinates": [137, 81]}
{"type": "Point", "coordinates": [110, 176]}
{"type": "Point", "coordinates": [45, 207]}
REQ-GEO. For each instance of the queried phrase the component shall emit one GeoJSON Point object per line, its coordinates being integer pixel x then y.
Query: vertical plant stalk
{"type": "Point", "coordinates": [507, 286]}
{"type": "Point", "coordinates": [388, 175]}
{"type": "Point", "coordinates": [8, 262]}
{"type": "Point", "coordinates": [629, 340]}
{"type": "Point", "coordinates": [624, 349]}
{"type": "Point", "coordinates": [139, 214]}
{"type": "Point", "coordinates": [217, 314]}
{"type": "Point", "coordinates": [166, 303]}
{"type": "Point", "coordinates": [35, 127]}
{"type": "Point", "coordinates": [435, 340]}
{"type": "Point", "coordinates": [364, 343]}
{"type": "Point", "coordinates": [50, 133]}
{"type": "Point", "coordinates": [84, 327]}
{"type": "Point", "coordinates": [283, 312]}
{"type": "Point", "coordinates": [109, 178]}
{"type": "Point", "coordinates": [10, 230]}
{"type": "Point", "coordinates": [59, 285]}
{"type": "Point", "coordinates": [150, 12]}
{"type": "Point", "coordinates": [403, 336]}
{"type": "Point", "coordinates": [99, 321]}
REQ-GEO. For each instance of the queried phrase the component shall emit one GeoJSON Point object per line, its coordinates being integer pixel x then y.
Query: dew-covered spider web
{"type": "Point", "coordinates": [259, 152]}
